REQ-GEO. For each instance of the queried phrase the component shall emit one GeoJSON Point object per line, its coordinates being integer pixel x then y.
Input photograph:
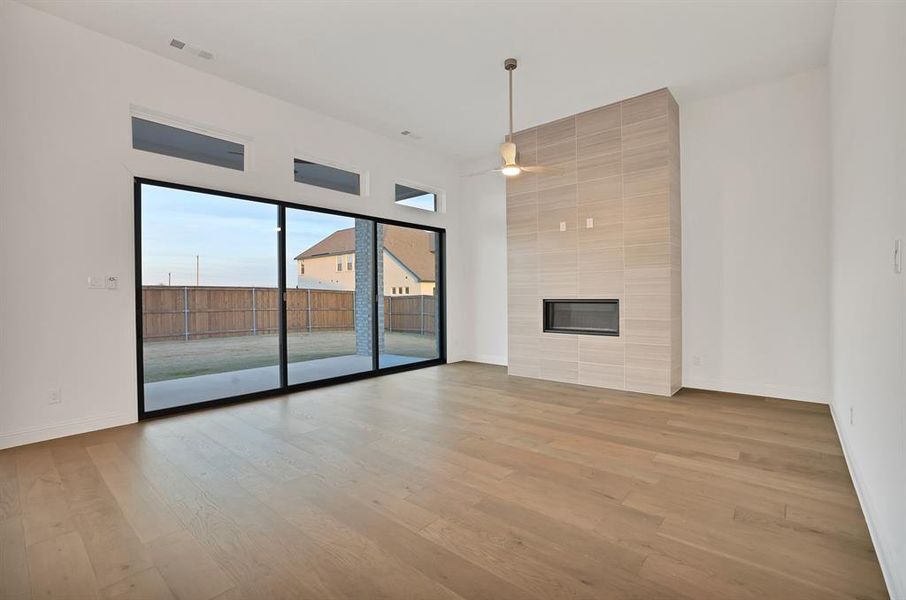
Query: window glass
{"type": "Point", "coordinates": [411, 331]}
{"type": "Point", "coordinates": [408, 196]}
{"type": "Point", "coordinates": [324, 176]}
{"type": "Point", "coordinates": [181, 143]}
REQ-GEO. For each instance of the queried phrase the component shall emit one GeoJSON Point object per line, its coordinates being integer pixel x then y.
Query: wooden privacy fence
{"type": "Point", "coordinates": [191, 313]}
{"type": "Point", "coordinates": [413, 314]}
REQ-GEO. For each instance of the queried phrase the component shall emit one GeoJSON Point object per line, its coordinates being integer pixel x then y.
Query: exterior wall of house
{"type": "Point", "coordinates": [321, 273]}
{"type": "Point", "coordinates": [397, 278]}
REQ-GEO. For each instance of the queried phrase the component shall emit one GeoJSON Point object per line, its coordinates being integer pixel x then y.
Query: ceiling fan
{"type": "Point", "coordinates": [508, 152]}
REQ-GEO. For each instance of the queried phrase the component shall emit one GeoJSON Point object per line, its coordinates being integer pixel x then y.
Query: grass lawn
{"type": "Point", "coordinates": [177, 359]}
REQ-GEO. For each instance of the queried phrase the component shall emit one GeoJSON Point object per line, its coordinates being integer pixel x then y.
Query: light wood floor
{"type": "Point", "coordinates": [450, 482]}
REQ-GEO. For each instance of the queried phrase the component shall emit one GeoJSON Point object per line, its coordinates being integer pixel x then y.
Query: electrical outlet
{"type": "Point", "coordinates": [112, 282]}
{"type": "Point", "coordinates": [55, 396]}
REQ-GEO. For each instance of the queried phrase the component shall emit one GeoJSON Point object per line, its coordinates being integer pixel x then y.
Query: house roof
{"type": "Point", "coordinates": [341, 241]}
{"type": "Point", "coordinates": [414, 248]}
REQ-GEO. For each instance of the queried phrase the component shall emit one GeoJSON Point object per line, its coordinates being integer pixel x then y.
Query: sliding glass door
{"type": "Point", "coordinates": [239, 296]}
{"type": "Point", "coordinates": [408, 284]}
{"type": "Point", "coordinates": [329, 297]}
{"type": "Point", "coordinates": [209, 297]}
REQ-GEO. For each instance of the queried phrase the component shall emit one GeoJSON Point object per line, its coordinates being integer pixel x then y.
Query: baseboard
{"type": "Point", "coordinates": [785, 392]}
{"type": "Point", "coordinates": [862, 493]}
{"type": "Point", "coordinates": [489, 359]}
{"type": "Point", "coordinates": [67, 428]}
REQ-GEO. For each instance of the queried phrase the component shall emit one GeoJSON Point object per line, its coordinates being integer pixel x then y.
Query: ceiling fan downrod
{"type": "Point", "coordinates": [510, 65]}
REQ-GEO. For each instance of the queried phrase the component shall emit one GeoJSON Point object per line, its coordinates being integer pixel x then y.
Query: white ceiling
{"type": "Point", "coordinates": [435, 67]}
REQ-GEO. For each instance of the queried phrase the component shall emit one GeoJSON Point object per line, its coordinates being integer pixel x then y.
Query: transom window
{"type": "Point", "coordinates": [189, 145]}
{"type": "Point", "coordinates": [325, 176]}
{"type": "Point", "coordinates": [410, 196]}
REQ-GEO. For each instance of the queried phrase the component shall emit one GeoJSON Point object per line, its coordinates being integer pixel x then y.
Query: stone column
{"type": "Point", "coordinates": [364, 300]}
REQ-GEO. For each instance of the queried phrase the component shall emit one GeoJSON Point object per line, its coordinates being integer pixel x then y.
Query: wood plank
{"type": "Point", "coordinates": [45, 512]}
{"type": "Point", "coordinates": [356, 565]}
{"type": "Point", "coordinates": [14, 576]}
{"type": "Point", "coordinates": [145, 511]}
{"type": "Point", "coordinates": [461, 576]}
{"type": "Point", "coordinates": [139, 586]}
{"type": "Point", "coordinates": [60, 568]}
{"type": "Point", "coordinates": [112, 546]}
{"type": "Point", "coordinates": [188, 569]}
{"type": "Point", "coordinates": [9, 487]}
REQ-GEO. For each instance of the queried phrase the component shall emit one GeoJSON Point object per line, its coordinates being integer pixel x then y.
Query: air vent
{"type": "Point", "coordinates": [181, 45]}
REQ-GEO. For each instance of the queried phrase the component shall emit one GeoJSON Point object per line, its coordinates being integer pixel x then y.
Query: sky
{"type": "Point", "coordinates": [425, 202]}
{"type": "Point", "coordinates": [236, 240]}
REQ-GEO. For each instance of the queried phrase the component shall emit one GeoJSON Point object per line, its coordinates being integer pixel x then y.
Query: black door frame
{"type": "Point", "coordinates": [284, 387]}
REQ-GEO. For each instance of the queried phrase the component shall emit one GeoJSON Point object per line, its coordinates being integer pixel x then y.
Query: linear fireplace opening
{"type": "Point", "coordinates": [587, 317]}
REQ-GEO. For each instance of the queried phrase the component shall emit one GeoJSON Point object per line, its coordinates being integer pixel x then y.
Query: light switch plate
{"type": "Point", "coordinates": [562, 225]}
{"type": "Point", "coordinates": [589, 222]}
{"type": "Point", "coordinates": [96, 283]}
{"type": "Point", "coordinates": [112, 282]}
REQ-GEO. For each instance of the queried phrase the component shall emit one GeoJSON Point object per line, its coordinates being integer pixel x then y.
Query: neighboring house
{"type": "Point", "coordinates": [410, 263]}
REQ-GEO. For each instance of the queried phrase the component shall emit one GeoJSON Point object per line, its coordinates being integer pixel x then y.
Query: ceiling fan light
{"type": "Point", "coordinates": [511, 170]}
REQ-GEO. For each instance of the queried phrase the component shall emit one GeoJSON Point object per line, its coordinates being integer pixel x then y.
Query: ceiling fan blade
{"type": "Point", "coordinates": [508, 153]}
{"type": "Point", "coordinates": [542, 170]}
{"type": "Point", "coordinates": [484, 172]}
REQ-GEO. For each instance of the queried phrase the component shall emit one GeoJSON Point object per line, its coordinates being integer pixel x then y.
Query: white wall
{"type": "Point", "coordinates": [484, 218]}
{"type": "Point", "coordinates": [868, 133]}
{"type": "Point", "coordinates": [66, 205]}
{"type": "Point", "coordinates": [756, 256]}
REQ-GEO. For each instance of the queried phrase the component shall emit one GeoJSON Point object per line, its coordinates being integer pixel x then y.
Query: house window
{"type": "Point", "coordinates": [349, 265]}
{"type": "Point", "coordinates": [407, 289]}
{"type": "Point", "coordinates": [339, 263]}
{"type": "Point", "coordinates": [301, 268]}
{"type": "Point", "coordinates": [409, 196]}
{"type": "Point", "coordinates": [182, 143]}
{"type": "Point", "coordinates": [328, 177]}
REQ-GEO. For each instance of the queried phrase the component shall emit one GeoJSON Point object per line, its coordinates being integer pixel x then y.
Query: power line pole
{"type": "Point", "coordinates": [197, 271]}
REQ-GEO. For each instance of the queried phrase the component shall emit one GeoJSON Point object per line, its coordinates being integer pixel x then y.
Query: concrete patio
{"type": "Point", "coordinates": [201, 388]}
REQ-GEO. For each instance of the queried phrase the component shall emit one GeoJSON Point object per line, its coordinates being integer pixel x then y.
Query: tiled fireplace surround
{"type": "Point", "coordinates": [619, 167]}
